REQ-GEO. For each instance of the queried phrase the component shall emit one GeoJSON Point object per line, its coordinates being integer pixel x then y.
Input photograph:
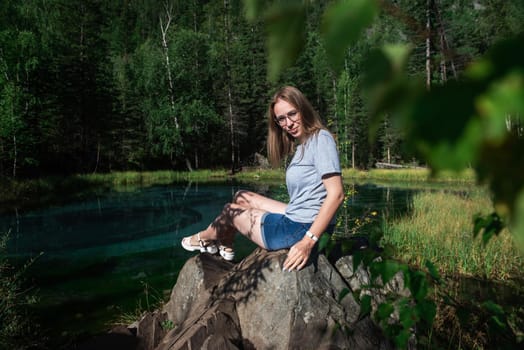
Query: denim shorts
{"type": "Point", "coordinates": [278, 231]}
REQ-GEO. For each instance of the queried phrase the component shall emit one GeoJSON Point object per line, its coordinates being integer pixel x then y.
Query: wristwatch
{"type": "Point", "coordinates": [311, 235]}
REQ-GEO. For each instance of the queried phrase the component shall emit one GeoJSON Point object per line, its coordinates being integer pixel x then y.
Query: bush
{"type": "Point", "coordinates": [17, 330]}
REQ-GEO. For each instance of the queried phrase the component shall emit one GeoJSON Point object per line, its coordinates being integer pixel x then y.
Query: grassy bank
{"type": "Point", "coordinates": [154, 177]}
{"type": "Point", "coordinates": [440, 229]}
{"type": "Point", "coordinates": [413, 175]}
{"type": "Point", "coordinates": [479, 298]}
{"type": "Point", "coordinates": [398, 176]}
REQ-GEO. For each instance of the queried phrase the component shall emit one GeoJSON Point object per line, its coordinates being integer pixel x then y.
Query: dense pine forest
{"type": "Point", "coordinates": [94, 86]}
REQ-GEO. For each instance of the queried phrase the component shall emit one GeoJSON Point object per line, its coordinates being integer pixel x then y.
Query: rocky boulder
{"type": "Point", "coordinates": [256, 305]}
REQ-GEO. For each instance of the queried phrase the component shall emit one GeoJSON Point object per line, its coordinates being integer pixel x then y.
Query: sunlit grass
{"type": "Point", "coordinates": [409, 175]}
{"type": "Point", "coordinates": [440, 229]}
{"type": "Point", "coordinates": [261, 174]}
{"type": "Point", "coordinates": [153, 177]}
{"type": "Point", "coordinates": [150, 300]}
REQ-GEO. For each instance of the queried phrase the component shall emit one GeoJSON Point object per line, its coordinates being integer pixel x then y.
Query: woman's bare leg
{"type": "Point", "coordinates": [243, 215]}
{"type": "Point", "coordinates": [234, 218]}
{"type": "Point", "coordinates": [254, 200]}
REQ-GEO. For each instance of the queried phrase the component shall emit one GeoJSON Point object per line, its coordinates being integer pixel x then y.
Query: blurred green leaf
{"type": "Point", "coordinates": [503, 57]}
{"type": "Point", "coordinates": [387, 86]}
{"type": "Point", "coordinates": [358, 257]}
{"type": "Point", "coordinates": [501, 167]}
{"type": "Point", "coordinates": [503, 99]}
{"type": "Point", "coordinates": [440, 125]}
{"type": "Point", "coordinates": [498, 316]}
{"type": "Point", "coordinates": [500, 73]}
{"type": "Point", "coordinates": [498, 322]}
{"type": "Point", "coordinates": [490, 225]}
{"type": "Point", "coordinates": [323, 241]}
{"type": "Point", "coordinates": [427, 310]}
{"type": "Point", "coordinates": [342, 294]}
{"type": "Point", "coordinates": [378, 69]}
{"type": "Point", "coordinates": [253, 9]}
{"type": "Point", "coordinates": [406, 316]}
{"type": "Point", "coordinates": [365, 305]}
{"type": "Point", "coordinates": [401, 340]}
{"type": "Point", "coordinates": [285, 24]}
{"type": "Point", "coordinates": [385, 269]}
{"type": "Point", "coordinates": [384, 310]}
{"type": "Point", "coordinates": [433, 272]}
{"type": "Point", "coordinates": [493, 308]}
{"type": "Point", "coordinates": [417, 284]}
{"type": "Point", "coordinates": [398, 55]}
{"type": "Point", "coordinates": [385, 64]}
{"type": "Point", "coordinates": [365, 256]}
{"type": "Point", "coordinates": [478, 224]}
{"type": "Point", "coordinates": [475, 121]}
{"type": "Point", "coordinates": [343, 23]}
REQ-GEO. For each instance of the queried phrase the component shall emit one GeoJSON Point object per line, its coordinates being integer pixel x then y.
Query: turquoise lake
{"type": "Point", "coordinates": [114, 253]}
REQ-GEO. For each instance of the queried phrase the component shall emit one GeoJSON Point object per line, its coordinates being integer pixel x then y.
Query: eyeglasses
{"type": "Point", "coordinates": [291, 115]}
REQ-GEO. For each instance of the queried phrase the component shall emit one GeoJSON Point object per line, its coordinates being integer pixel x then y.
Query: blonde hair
{"type": "Point", "coordinates": [279, 143]}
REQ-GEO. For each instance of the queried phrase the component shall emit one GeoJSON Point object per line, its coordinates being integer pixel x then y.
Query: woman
{"type": "Point", "coordinates": [314, 183]}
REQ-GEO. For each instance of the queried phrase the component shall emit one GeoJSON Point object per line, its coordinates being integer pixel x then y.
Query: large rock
{"type": "Point", "coordinates": [195, 282]}
{"type": "Point", "coordinates": [256, 305]}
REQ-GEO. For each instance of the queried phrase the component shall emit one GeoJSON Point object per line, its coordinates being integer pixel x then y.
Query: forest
{"type": "Point", "coordinates": [92, 86]}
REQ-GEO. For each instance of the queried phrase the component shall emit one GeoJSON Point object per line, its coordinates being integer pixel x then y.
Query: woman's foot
{"type": "Point", "coordinates": [195, 243]}
{"type": "Point", "coordinates": [226, 252]}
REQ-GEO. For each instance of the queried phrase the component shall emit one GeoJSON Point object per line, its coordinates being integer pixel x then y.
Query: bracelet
{"type": "Point", "coordinates": [311, 235]}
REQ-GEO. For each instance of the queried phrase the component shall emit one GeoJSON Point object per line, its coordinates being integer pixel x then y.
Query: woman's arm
{"type": "Point", "coordinates": [299, 253]}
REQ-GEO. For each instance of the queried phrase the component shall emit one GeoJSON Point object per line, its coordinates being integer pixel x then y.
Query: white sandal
{"type": "Point", "coordinates": [203, 245]}
{"type": "Point", "coordinates": [226, 252]}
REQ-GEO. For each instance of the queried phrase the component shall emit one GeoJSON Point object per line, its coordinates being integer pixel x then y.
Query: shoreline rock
{"type": "Point", "coordinates": [255, 305]}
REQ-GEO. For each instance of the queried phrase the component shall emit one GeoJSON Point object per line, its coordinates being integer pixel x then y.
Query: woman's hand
{"type": "Point", "coordinates": [298, 254]}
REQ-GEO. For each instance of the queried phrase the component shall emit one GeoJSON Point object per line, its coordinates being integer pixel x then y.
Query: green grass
{"type": "Point", "coordinates": [17, 329]}
{"type": "Point", "coordinates": [409, 175]}
{"type": "Point", "coordinates": [440, 229]}
{"type": "Point", "coordinates": [153, 177]}
{"type": "Point", "coordinates": [261, 175]}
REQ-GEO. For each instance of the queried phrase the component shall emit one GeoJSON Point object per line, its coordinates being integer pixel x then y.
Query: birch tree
{"type": "Point", "coordinates": [17, 61]}
{"type": "Point", "coordinates": [165, 21]}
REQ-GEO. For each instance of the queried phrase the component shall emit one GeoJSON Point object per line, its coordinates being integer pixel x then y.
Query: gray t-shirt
{"type": "Point", "coordinates": [312, 160]}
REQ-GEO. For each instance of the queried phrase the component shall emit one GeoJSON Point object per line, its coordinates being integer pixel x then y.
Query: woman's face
{"type": "Point", "coordinates": [289, 119]}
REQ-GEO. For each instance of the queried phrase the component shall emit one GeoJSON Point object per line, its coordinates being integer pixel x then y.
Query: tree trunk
{"type": "Point", "coordinates": [97, 157]}
{"type": "Point", "coordinates": [164, 28]}
{"type": "Point", "coordinates": [428, 44]}
{"type": "Point", "coordinates": [353, 154]}
{"type": "Point", "coordinates": [335, 103]}
{"type": "Point", "coordinates": [196, 159]}
{"type": "Point", "coordinates": [444, 46]}
{"type": "Point", "coordinates": [15, 155]}
{"type": "Point", "coordinates": [346, 114]}
{"type": "Point", "coordinates": [230, 113]}
{"type": "Point", "coordinates": [443, 73]}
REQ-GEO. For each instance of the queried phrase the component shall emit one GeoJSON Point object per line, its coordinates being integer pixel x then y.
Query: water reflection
{"type": "Point", "coordinates": [116, 224]}
{"type": "Point", "coordinates": [388, 201]}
